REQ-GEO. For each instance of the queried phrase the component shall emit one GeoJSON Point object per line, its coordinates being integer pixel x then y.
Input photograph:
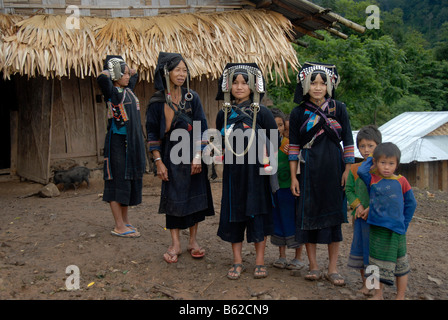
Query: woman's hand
{"type": "Point", "coordinates": [162, 171]}
{"type": "Point", "coordinates": [345, 175]}
{"type": "Point", "coordinates": [196, 165]}
{"type": "Point", "coordinates": [295, 187]}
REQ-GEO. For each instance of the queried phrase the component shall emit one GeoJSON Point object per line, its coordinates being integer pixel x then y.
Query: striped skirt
{"type": "Point", "coordinates": [387, 251]}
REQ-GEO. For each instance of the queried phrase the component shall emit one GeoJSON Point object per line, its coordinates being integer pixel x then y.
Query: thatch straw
{"type": "Point", "coordinates": [42, 45]}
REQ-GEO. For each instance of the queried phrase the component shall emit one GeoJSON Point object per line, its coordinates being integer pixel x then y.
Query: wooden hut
{"type": "Point", "coordinates": [54, 109]}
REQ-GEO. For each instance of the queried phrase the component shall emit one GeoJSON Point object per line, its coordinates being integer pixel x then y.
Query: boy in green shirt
{"type": "Point", "coordinates": [358, 198]}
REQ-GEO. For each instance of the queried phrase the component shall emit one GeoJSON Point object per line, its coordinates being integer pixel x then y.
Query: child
{"type": "Point", "coordinates": [358, 198]}
{"type": "Point", "coordinates": [284, 210]}
{"type": "Point", "coordinates": [392, 205]}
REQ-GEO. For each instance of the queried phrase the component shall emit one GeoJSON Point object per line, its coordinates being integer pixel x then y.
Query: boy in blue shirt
{"type": "Point", "coordinates": [392, 205]}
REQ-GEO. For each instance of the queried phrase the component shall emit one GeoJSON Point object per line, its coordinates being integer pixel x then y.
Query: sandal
{"type": "Point", "coordinates": [196, 253]}
{"type": "Point", "coordinates": [235, 271]}
{"type": "Point", "coordinates": [280, 263]}
{"type": "Point", "coordinates": [313, 275]}
{"type": "Point", "coordinates": [295, 264]}
{"type": "Point", "coordinates": [334, 278]}
{"type": "Point", "coordinates": [127, 234]}
{"type": "Point", "coordinates": [170, 256]}
{"type": "Point", "coordinates": [260, 272]}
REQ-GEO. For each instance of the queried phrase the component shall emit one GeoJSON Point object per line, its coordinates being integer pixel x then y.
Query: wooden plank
{"type": "Point", "coordinates": [58, 141]}
{"type": "Point", "coordinates": [14, 120]}
{"type": "Point", "coordinates": [79, 120]}
{"type": "Point", "coordinates": [34, 127]}
{"type": "Point", "coordinates": [207, 90]}
{"type": "Point", "coordinates": [422, 175]}
{"type": "Point", "coordinates": [86, 129]}
{"type": "Point", "coordinates": [99, 115]}
{"type": "Point", "coordinates": [443, 175]}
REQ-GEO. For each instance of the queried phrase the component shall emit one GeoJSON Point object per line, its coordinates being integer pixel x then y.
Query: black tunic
{"type": "Point", "coordinates": [246, 192]}
{"type": "Point", "coordinates": [322, 201]}
{"type": "Point", "coordinates": [184, 194]}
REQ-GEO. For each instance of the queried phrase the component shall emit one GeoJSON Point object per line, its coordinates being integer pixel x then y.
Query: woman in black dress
{"type": "Point", "coordinates": [175, 111]}
{"type": "Point", "coordinates": [318, 125]}
{"type": "Point", "coordinates": [124, 147]}
{"type": "Point", "coordinates": [246, 195]}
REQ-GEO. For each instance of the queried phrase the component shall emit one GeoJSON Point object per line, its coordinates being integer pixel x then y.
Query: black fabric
{"type": "Point", "coordinates": [256, 228]}
{"type": "Point", "coordinates": [322, 199]}
{"type": "Point", "coordinates": [184, 193]}
{"type": "Point", "coordinates": [135, 164]}
{"type": "Point", "coordinates": [124, 191]}
{"type": "Point", "coordinates": [246, 192]}
{"type": "Point", "coordinates": [171, 60]}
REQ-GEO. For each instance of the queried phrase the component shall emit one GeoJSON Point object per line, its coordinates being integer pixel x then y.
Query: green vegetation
{"type": "Point", "coordinates": [402, 66]}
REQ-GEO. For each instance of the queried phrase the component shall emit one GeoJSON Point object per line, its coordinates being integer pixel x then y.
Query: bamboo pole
{"type": "Point", "coordinates": [340, 19]}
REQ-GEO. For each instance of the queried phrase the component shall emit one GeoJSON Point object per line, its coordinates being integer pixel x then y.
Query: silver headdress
{"type": "Point", "coordinates": [256, 85]}
{"type": "Point", "coordinates": [255, 82]}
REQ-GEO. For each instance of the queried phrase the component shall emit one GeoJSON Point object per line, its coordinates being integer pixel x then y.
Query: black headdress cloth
{"type": "Point", "coordinates": [170, 60]}
{"type": "Point", "coordinates": [304, 75]}
{"type": "Point", "coordinates": [245, 69]}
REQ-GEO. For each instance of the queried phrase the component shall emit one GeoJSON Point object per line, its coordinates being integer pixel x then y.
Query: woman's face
{"type": "Point", "coordinates": [318, 88]}
{"type": "Point", "coordinates": [179, 74]}
{"type": "Point", "coordinates": [124, 80]}
{"type": "Point", "coordinates": [240, 89]}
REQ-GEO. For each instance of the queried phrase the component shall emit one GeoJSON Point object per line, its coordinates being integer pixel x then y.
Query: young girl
{"type": "Point", "coordinates": [284, 209]}
{"type": "Point", "coordinates": [124, 147]}
{"type": "Point", "coordinates": [392, 206]}
{"type": "Point", "coordinates": [246, 203]}
{"type": "Point", "coordinates": [318, 125]}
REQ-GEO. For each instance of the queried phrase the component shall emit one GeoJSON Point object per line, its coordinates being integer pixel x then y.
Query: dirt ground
{"type": "Point", "coordinates": [41, 237]}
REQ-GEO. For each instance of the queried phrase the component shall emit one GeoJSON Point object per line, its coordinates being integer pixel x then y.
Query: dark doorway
{"type": "Point", "coordinates": [8, 103]}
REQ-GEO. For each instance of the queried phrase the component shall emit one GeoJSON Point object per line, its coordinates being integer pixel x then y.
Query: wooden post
{"type": "Point", "coordinates": [444, 175]}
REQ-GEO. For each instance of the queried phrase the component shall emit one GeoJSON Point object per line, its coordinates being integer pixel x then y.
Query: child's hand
{"type": "Point", "coordinates": [364, 213]}
{"type": "Point", "coordinates": [359, 210]}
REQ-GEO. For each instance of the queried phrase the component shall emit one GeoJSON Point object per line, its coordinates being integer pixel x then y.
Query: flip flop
{"type": "Point", "coordinates": [196, 253]}
{"type": "Point", "coordinates": [131, 226]}
{"type": "Point", "coordinates": [170, 256]}
{"type": "Point", "coordinates": [127, 234]}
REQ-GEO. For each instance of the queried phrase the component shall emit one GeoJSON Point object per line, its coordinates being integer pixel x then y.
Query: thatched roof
{"type": "Point", "coordinates": [42, 45]}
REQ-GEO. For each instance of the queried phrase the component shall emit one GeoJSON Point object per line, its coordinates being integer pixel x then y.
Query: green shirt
{"type": "Point", "coordinates": [356, 189]}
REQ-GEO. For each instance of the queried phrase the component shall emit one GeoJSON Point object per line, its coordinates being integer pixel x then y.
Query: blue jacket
{"type": "Point", "coordinates": [392, 202]}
